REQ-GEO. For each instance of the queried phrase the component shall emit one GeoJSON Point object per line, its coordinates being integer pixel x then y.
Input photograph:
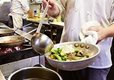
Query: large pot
{"type": "Point", "coordinates": [34, 73]}
{"type": "Point", "coordinates": [76, 64]}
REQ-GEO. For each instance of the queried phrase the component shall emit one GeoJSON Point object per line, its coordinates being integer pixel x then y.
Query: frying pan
{"type": "Point", "coordinates": [6, 32]}
{"type": "Point", "coordinates": [76, 64]}
{"type": "Point", "coordinates": [11, 41]}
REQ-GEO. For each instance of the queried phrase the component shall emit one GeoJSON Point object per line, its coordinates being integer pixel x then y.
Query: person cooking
{"type": "Point", "coordinates": [87, 15]}
{"type": "Point", "coordinates": [17, 10]}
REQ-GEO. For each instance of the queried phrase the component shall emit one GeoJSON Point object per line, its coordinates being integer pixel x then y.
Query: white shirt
{"type": "Point", "coordinates": [19, 6]}
{"type": "Point", "coordinates": [79, 12]}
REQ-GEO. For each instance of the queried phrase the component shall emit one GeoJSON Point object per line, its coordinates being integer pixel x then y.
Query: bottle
{"type": "Point", "coordinates": [30, 13]}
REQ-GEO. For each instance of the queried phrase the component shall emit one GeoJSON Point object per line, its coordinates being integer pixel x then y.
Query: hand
{"type": "Point", "coordinates": [35, 34]}
{"type": "Point", "coordinates": [102, 32]}
{"type": "Point", "coordinates": [91, 37]}
{"type": "Point", "coordinates": [14, 28]}
{"type": "Point", "coordinates": [53, 9]}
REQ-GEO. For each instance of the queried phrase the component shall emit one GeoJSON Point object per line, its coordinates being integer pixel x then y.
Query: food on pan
{"type": "Point", "coordinates": [10, 39]}
{"type": "Point", "coordinates": [71, 52]}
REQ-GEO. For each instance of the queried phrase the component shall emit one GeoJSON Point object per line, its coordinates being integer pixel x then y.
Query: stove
{"type": "Point", "coordinates": [19, 58]}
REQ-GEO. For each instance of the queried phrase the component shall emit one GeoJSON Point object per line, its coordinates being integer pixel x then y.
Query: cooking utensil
{"type": "Point", "coordinates": [41, 43]}
{"type": "Point", "coordinates": [6, 32]}
{"type": "Point", "coordinates": [11, 41]}
{"type": "Point", "coordinates": [20, 32]}
{"type": "Point", "coordinates": [76, 64]}
{"type": "Point", "coordinates": [35, 73]}
{"type": "Point", "coordinates": [24, 34]}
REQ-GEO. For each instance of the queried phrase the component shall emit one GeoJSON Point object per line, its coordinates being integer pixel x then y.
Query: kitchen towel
{"type": "Point", "coordinates": [86, 36]}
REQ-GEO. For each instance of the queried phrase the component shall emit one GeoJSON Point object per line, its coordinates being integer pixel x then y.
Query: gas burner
{"type": "Point", "coordinates": [7, 50]}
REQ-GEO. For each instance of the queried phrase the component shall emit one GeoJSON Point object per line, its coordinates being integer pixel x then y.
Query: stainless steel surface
{"type": "Point", "coordinates": [76, 64]}
{"type": "Point", "coordinates": [36, 73]}
{"type": "Point", "coordinates": [41, 43]}
{"type": "Point", "coordinates": [16, 64]}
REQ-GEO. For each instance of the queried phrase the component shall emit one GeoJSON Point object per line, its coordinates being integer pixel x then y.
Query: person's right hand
{"type": "Point", "coordinates": [53, 9]}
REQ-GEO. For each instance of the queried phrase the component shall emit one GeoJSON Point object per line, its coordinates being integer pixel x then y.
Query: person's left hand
{"type": "Point", "coordinates": [101, 31]}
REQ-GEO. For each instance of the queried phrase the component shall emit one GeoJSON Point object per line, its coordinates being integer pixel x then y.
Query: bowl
{"type": "Point", "coordinates": [74, 64]}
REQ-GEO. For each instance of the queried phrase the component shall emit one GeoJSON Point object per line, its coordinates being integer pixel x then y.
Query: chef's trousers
{"type": "Point", "coordinates": [85, 74]}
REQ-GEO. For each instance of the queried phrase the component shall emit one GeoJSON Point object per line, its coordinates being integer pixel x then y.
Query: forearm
{"type": "Point", "coordinates": [110, 31]}
{"type": "Point", "coordinates": [55, 11]}
{"type": "Point", "coordinates": [102, 32]}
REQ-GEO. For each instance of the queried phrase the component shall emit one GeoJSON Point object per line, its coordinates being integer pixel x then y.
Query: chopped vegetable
{"type": "Point", "coordinates": [62, 54]}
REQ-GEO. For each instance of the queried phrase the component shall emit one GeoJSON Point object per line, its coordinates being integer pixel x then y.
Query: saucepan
{"type": "Point", "coordinates": [74, 55]}
{"type": "Point", "coordinates": [35, 73]}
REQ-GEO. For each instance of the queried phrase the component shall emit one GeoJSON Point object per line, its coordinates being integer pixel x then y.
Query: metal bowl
{"type": "Point", "coordinates": [75, 64]}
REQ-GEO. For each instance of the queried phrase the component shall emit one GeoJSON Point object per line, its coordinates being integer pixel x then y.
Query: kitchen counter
{"type": "Point", "coordinates": [37, 20]}
{"type": "Point", "coordinates": [51, 29]}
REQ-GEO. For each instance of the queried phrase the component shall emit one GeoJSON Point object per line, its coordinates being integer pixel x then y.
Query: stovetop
{"type": "Point", "coordinates": [25, 57]}
{"type": "Point", "coordinates": [24, 52]}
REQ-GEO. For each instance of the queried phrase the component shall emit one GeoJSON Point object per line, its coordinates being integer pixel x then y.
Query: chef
{"type": "Point", "coordinates": [17, 10]}
{"type": "Point", "coordinates": [82, 16]}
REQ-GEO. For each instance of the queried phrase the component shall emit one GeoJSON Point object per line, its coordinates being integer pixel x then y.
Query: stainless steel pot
{"type": "Point", "coordinates": [76, 64]}
{"type": "Point", "coordinates": [34, 73]}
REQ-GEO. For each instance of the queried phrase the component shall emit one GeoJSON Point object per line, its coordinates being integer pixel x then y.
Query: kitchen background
{"type": "Point", "coordinates": [53, 31]}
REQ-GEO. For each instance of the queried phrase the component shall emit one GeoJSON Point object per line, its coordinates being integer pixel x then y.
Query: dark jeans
{"type": "Point", "coordinates": [85, 74]}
